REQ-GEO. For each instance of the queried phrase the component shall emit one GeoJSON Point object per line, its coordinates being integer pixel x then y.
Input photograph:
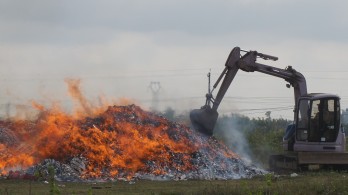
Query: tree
{"type": "Point", "coordinates": [169, 113]}
{"type": "Point", "coordinates": [268, 115]}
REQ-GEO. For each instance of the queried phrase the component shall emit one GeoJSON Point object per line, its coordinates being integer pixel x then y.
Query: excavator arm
{"type": "Point", "coordinates": [204, 119]}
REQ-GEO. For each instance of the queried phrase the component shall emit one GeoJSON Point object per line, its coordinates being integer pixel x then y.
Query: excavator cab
{"type": "Point", "coordinates": [317, 124]}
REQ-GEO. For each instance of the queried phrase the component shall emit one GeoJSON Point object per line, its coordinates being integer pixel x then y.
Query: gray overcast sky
{"type": "Point", "coordinates": [118, 47]}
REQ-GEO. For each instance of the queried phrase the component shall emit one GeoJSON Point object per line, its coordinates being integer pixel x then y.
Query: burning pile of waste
{"type": "Point", "coordinates": [122, 142]}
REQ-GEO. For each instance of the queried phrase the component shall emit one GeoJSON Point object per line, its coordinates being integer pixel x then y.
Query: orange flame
{"type": "Point", "coordinates": [121, 139]}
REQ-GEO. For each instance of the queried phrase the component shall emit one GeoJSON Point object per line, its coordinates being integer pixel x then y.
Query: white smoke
{"type": "Point", "coordinates": [231, 131]}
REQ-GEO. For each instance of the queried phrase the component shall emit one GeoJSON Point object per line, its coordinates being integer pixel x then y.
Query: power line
{"type": "Point", "coordinates": [184, 72]}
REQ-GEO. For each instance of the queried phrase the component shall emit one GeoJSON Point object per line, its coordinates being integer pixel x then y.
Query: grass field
{"type": "Point", "coordinates": [305, 183]}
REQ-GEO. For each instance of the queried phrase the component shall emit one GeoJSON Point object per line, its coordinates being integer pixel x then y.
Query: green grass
{"type": "Point", "coordinates": [305, 183]}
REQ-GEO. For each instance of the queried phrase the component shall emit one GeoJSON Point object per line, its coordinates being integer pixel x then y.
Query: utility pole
{"type": "Point", "coordinates": [155, 87]}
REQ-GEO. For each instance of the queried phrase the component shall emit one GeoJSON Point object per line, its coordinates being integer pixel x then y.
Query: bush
{"type": "Point", "coordinates": [263, 137]}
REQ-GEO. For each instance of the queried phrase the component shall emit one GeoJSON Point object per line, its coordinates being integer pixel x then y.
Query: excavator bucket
{"type": "Point", "coordinates": [204, 119]}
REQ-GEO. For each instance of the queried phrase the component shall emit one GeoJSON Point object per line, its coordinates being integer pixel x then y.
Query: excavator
{"type": "Point", "coordinates": [316, 137]}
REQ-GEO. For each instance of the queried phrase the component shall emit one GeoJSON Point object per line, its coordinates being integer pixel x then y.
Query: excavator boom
{"type": "Point", "coordinates": [204, 119]}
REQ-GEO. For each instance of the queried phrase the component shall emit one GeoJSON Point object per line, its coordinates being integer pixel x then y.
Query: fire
{"type": "Point", "coordinates": [114, 140]}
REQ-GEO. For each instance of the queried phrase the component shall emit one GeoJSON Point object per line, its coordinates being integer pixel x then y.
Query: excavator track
{"type": "Point", "coordinates": [303, 161]}
{"type": "Point", "coordinates": [283, 162]}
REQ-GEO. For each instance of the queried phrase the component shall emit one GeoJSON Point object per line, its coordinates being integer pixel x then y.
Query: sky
{"type": "Point", "coordinates": [118, 47]}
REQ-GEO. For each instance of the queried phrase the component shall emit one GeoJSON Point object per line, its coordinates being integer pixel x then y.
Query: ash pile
{"type": "Point", "coordinates": [122, 143]}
